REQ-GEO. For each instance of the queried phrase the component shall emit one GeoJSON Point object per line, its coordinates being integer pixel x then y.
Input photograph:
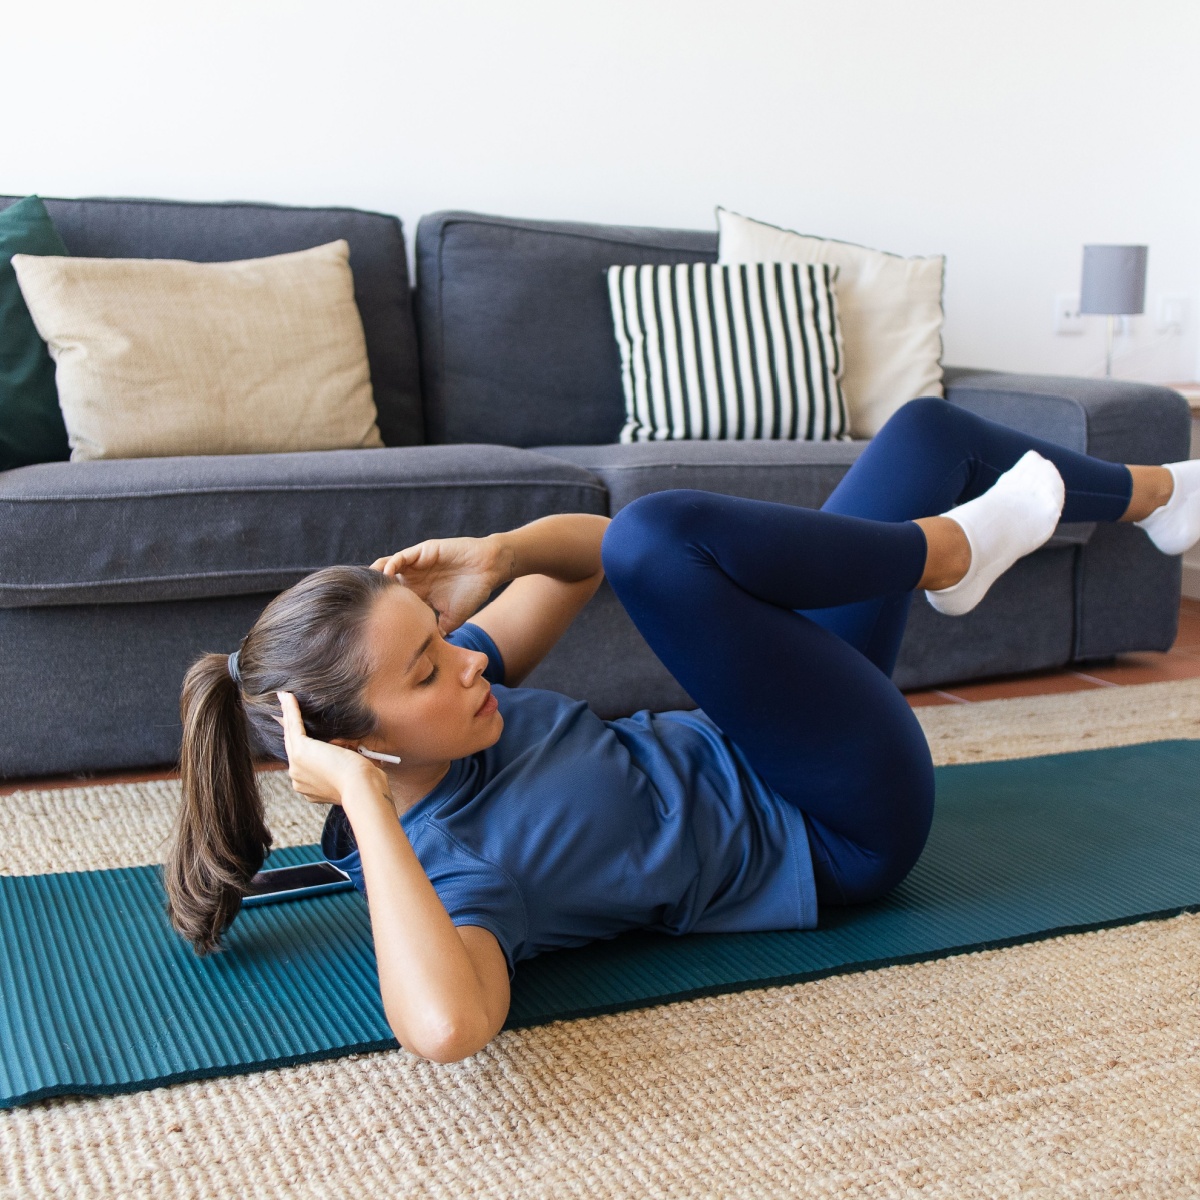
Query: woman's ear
{"type": "Point", "coordinates": [376, 756]}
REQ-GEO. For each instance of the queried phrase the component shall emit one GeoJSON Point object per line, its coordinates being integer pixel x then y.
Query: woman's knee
{"type": "Point", "coordinates": [648, 529]}
{"type": "Point", "coordinates": [925, 418]}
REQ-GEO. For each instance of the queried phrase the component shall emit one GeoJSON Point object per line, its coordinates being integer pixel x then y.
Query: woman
{"type": "Point", "coordinates": [513, 820]}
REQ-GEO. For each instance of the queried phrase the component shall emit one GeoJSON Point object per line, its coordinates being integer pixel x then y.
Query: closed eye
{"type": "Point", "coordinates": [429, 678]}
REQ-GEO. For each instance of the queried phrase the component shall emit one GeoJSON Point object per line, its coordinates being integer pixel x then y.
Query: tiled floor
{"type": "Point", "coordinates": [1182, 661]}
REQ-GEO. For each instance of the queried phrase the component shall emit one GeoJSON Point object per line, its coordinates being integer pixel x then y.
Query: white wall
{"type": "Point", "coordinates": [1003, 134]}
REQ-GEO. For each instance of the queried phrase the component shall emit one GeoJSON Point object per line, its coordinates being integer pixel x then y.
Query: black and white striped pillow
{"type": "Point", "coordinates": [748, 350]}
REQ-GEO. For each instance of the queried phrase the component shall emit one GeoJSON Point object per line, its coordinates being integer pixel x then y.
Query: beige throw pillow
{"type": "Point", "coordinates": [890, 310]}
{"type": "Point", "coordinates": [164, 357]}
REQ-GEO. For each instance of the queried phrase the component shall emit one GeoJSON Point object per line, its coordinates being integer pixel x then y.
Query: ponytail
{"type": "Point", "coordinates": [308, 641]}
{"type": "Point", "coordinates": [221, 837]}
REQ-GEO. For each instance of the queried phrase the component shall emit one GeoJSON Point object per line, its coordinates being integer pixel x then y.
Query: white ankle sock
{"type": "Point", "coordinates": [1175, 526]}
{"type": "Point", "coordinates": [1011, 519]}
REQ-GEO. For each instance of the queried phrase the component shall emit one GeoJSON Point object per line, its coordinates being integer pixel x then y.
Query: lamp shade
{"type": "Point", "coordinates": [1114, 280]}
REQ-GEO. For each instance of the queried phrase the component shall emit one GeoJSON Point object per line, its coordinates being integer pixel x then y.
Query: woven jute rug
{"type": "Point", "coordinates": [1068, 1067]}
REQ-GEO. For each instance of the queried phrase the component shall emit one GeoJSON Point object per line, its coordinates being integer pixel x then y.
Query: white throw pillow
{"type": "Point", "coordinates": [164, 357]}
{"type": "Point", "coordinates": [728, 352]}
{"type": "Point", "coordinates": [890, 309]}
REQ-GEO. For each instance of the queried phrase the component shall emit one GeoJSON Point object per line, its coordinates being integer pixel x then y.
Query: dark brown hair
{"type": "Point", "coordinates": [309, 641]}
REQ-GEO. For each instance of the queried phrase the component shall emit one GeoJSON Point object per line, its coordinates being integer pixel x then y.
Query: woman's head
{"type": "Point", "coordinates": [362, 655]}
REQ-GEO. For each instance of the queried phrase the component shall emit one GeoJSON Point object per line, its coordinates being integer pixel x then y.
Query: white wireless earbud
{"type": "Point", "coordinates": [392, 758]}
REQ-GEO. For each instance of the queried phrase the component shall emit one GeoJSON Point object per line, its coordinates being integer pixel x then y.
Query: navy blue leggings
{"type": "Point", "coordinates": [783, 623]}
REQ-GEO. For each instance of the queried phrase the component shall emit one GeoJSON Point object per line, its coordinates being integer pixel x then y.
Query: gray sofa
{"type": "Point", "coordinates": [499, 400]}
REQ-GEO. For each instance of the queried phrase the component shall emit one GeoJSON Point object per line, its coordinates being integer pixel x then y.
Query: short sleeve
{"type": "Point", "coordinates": [473, 890]}
{"type": "Point", "coordinates": [471, 637]}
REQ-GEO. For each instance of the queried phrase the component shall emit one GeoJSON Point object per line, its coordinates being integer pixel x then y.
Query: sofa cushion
{"type": "Point", "coordinates": [890, 309]}
{"type": "Point", "coordinates": [103, 228]}
{"type": "Point", "coordinates": [158, 357]}
{"type": "Point", "coordinates": [184, 528]}
{"type": "Point", "coordinates": [747, 351]}
{"type": "Point", "coordinates": [516, 331]}
{"type": "Point", "coordinates": [787, 472]}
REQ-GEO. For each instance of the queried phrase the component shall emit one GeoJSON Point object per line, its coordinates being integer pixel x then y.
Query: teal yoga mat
{"type": "Point", "coordinates": [97, 995]}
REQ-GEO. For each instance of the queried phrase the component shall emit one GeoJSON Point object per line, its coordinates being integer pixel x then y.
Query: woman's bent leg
{"type": "Point", "coordinates": [933, 454]}
{"type": "Point", "coordinates": [929, 457]}
{"type": "Point", "coordinates": [712, 583]}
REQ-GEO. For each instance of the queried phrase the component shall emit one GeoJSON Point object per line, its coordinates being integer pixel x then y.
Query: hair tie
{"type": "Point", "coordinates": [232, 664]}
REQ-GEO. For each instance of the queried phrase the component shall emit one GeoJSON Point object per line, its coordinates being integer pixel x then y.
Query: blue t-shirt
{"type": "Point", "coordinates": [571, 828]}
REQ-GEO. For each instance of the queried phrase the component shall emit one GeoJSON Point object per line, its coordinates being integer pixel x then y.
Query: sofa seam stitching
{"type": "Point", "coordinates": [510, 222]}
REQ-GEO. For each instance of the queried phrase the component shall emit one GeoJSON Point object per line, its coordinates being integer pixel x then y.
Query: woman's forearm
{"type": "Point", "coordinates": [564, 547]}
{"type": "Point", "coordinates": [431, 993]}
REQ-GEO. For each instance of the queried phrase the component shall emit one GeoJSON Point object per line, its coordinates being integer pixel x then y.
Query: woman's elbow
{"type": "Point", "coordinates": [446, 1041]}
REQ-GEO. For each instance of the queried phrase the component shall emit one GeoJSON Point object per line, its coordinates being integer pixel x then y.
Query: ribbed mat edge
{"type": "Point", "coordinates": [58, 1091]}
{"type": "Point", "coordinates": [854, 968]}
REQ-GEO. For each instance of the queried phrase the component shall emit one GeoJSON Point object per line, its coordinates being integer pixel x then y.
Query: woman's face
{"type": "Point", "coordinates": [426, 693]}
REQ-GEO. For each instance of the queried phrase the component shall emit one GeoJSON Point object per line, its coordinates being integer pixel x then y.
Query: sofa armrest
{"type": "Point", "coordinates": [1113, 419]}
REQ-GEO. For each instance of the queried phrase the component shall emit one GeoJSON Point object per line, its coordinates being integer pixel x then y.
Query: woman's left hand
{"type": "Point", "coordinates": [321, 771]}
{"type": "Point", "coordinates": [455, 576]}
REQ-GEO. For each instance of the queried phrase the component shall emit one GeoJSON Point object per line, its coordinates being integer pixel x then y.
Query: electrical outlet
{"type": "Point", "coordinates": [1172, 314]}
{"type": "Point", "coordinates": [1067, 317]}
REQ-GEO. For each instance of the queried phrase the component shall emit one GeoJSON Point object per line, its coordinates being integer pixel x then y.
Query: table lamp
{"type": "Point", "coordinates": [1114, 284]}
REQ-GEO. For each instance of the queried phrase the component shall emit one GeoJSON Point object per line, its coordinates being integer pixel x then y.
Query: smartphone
{"type": "Point", "coordinates": [293, 883]}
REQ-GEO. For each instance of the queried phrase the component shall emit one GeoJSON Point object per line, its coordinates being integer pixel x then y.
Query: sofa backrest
{"type": "Point", "coordinates": [115, 228]}
{"type": "Point", "coordinates": [516, 334]}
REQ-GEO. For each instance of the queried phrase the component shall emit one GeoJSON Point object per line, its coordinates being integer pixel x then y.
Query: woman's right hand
{"type": "Point", "coordinates": [320, 771]}
{"type": "Point", "coordinates": [454, 576]}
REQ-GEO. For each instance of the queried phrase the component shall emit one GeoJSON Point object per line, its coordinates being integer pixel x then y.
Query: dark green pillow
{"type": "Point", "coordinates": [31, 423]}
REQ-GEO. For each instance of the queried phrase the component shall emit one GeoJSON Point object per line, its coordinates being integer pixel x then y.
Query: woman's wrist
{"type": "Point", "coordinates": [504, 559]}
{"type": "Point", "coordinates": [565, 546]}
{"type": "Point", "coordinates": [367, 794]}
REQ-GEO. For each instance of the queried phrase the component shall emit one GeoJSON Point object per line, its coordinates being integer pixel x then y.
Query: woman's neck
{"type": "Point", "coordinates": [409, 787]}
